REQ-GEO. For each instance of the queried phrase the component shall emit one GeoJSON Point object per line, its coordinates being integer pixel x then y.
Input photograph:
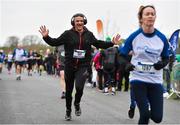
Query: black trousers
{"type": "Point", "coordinates": [78, 77]}
{"type": "Point", "coordinates": [148, 95]}
{"type": "Point", "coordinates": [109, 79]}
{"type": "Point", "coordinates": [100, 74]}
{"type": "Point", "coordinates": [124, 74]}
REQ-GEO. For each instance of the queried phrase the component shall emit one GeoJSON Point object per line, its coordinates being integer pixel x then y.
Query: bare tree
{"type": "Point", "coordinates": [12, 41]}
{"type": "Point", "coordinates": [31, 39]}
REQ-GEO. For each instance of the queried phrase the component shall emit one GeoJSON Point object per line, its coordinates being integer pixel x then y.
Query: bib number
{"type": "Point", "coordinates": [145, 67]}
{"type": "Point", "coordinates": [79, 54]}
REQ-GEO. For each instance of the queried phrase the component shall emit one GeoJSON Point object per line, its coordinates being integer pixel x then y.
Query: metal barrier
{"type": "Point", "coordinates": [175, 80]}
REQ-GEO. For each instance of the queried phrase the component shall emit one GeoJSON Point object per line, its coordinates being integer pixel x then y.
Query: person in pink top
{"type": "Point", "coordinates": [98, 67]}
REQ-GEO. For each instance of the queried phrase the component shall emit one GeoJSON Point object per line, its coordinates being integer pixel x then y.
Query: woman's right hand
{"type": "Point", "coordinates": [44, 32]}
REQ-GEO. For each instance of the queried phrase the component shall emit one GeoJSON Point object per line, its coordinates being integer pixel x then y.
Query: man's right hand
{"type": "Point", "coordinates": [44, 32]}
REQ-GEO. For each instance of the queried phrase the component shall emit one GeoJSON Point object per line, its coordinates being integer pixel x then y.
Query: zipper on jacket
{"type": "Point", "coordinates": [80, 44]}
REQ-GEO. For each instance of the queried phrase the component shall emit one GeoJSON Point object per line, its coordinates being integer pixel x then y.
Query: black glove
{"type": "Point", "coordinates": [129, 67]}
{"type": "Point", "coordinates": [161, 64]}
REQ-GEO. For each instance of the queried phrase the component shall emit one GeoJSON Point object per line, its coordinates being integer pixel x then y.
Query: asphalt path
{"type": "Point", "coordinates": [36, 100]}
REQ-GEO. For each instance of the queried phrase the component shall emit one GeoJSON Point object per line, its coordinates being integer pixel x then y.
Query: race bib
{"type": "Point", "coordinates": [79, 54]}
{"type": "Point", "coordinates": [145, 67]}
{"type": "Point", "coordinates": [19, 58]}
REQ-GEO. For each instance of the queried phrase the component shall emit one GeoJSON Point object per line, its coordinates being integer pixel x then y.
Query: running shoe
{"type": "Point", "coordinates": [68, 115]}
{"type": "Point", "coordinates": [18, 78]}
{"type": "Point", "coordinates": [131, 112]}
{"type": "Point", "coordinates": [113, 91]}
{"type": "Point", "coordinates": [106, 91]}
{"type": "Point", "coordinates": [77, 109]}
{"type": "Point", "coordinates": [63, 95]}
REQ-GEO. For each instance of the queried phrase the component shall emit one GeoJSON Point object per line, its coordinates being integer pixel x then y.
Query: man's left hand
{"type": "Point", "coordinates": [116, 39]}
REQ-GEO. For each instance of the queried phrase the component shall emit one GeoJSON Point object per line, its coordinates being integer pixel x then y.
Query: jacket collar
{"type": "Point", "coordinates": [85, 29]}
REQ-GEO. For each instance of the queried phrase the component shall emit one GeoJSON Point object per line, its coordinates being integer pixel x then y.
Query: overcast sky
{"type": "Point", "coordinates": [24, 17]}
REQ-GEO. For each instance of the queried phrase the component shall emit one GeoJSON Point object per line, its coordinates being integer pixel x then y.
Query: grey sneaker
{"type": "Point", "coordinates": [18, 78]}
{"type": "Point", "coordinates": [68, 115]}
{"type": "Point", "coordinates": [77, 109]}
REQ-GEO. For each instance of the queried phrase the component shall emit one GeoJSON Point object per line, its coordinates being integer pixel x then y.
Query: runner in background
{"type": "Point", "coordinates": [61, 58]}
{"type": "Point", "coordinates": [9, 61]}
{"type": "Point", "coordinates": [18, 55]}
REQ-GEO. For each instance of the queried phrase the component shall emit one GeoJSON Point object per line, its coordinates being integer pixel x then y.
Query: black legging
{"type": "Point", "coordinates": [154, 94]}
{"type": "Point", "coordinates": [124, 74]}
{"type": "Point", "coordinates": [78, 76]}
{"type": "Point", "coordinates": [100, 74]}
{"type": "Point", "coordinates": [109, 79]}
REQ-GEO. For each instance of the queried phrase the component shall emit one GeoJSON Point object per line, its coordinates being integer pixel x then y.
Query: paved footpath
{"type": "Point", "coordinates": [36, 100]}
